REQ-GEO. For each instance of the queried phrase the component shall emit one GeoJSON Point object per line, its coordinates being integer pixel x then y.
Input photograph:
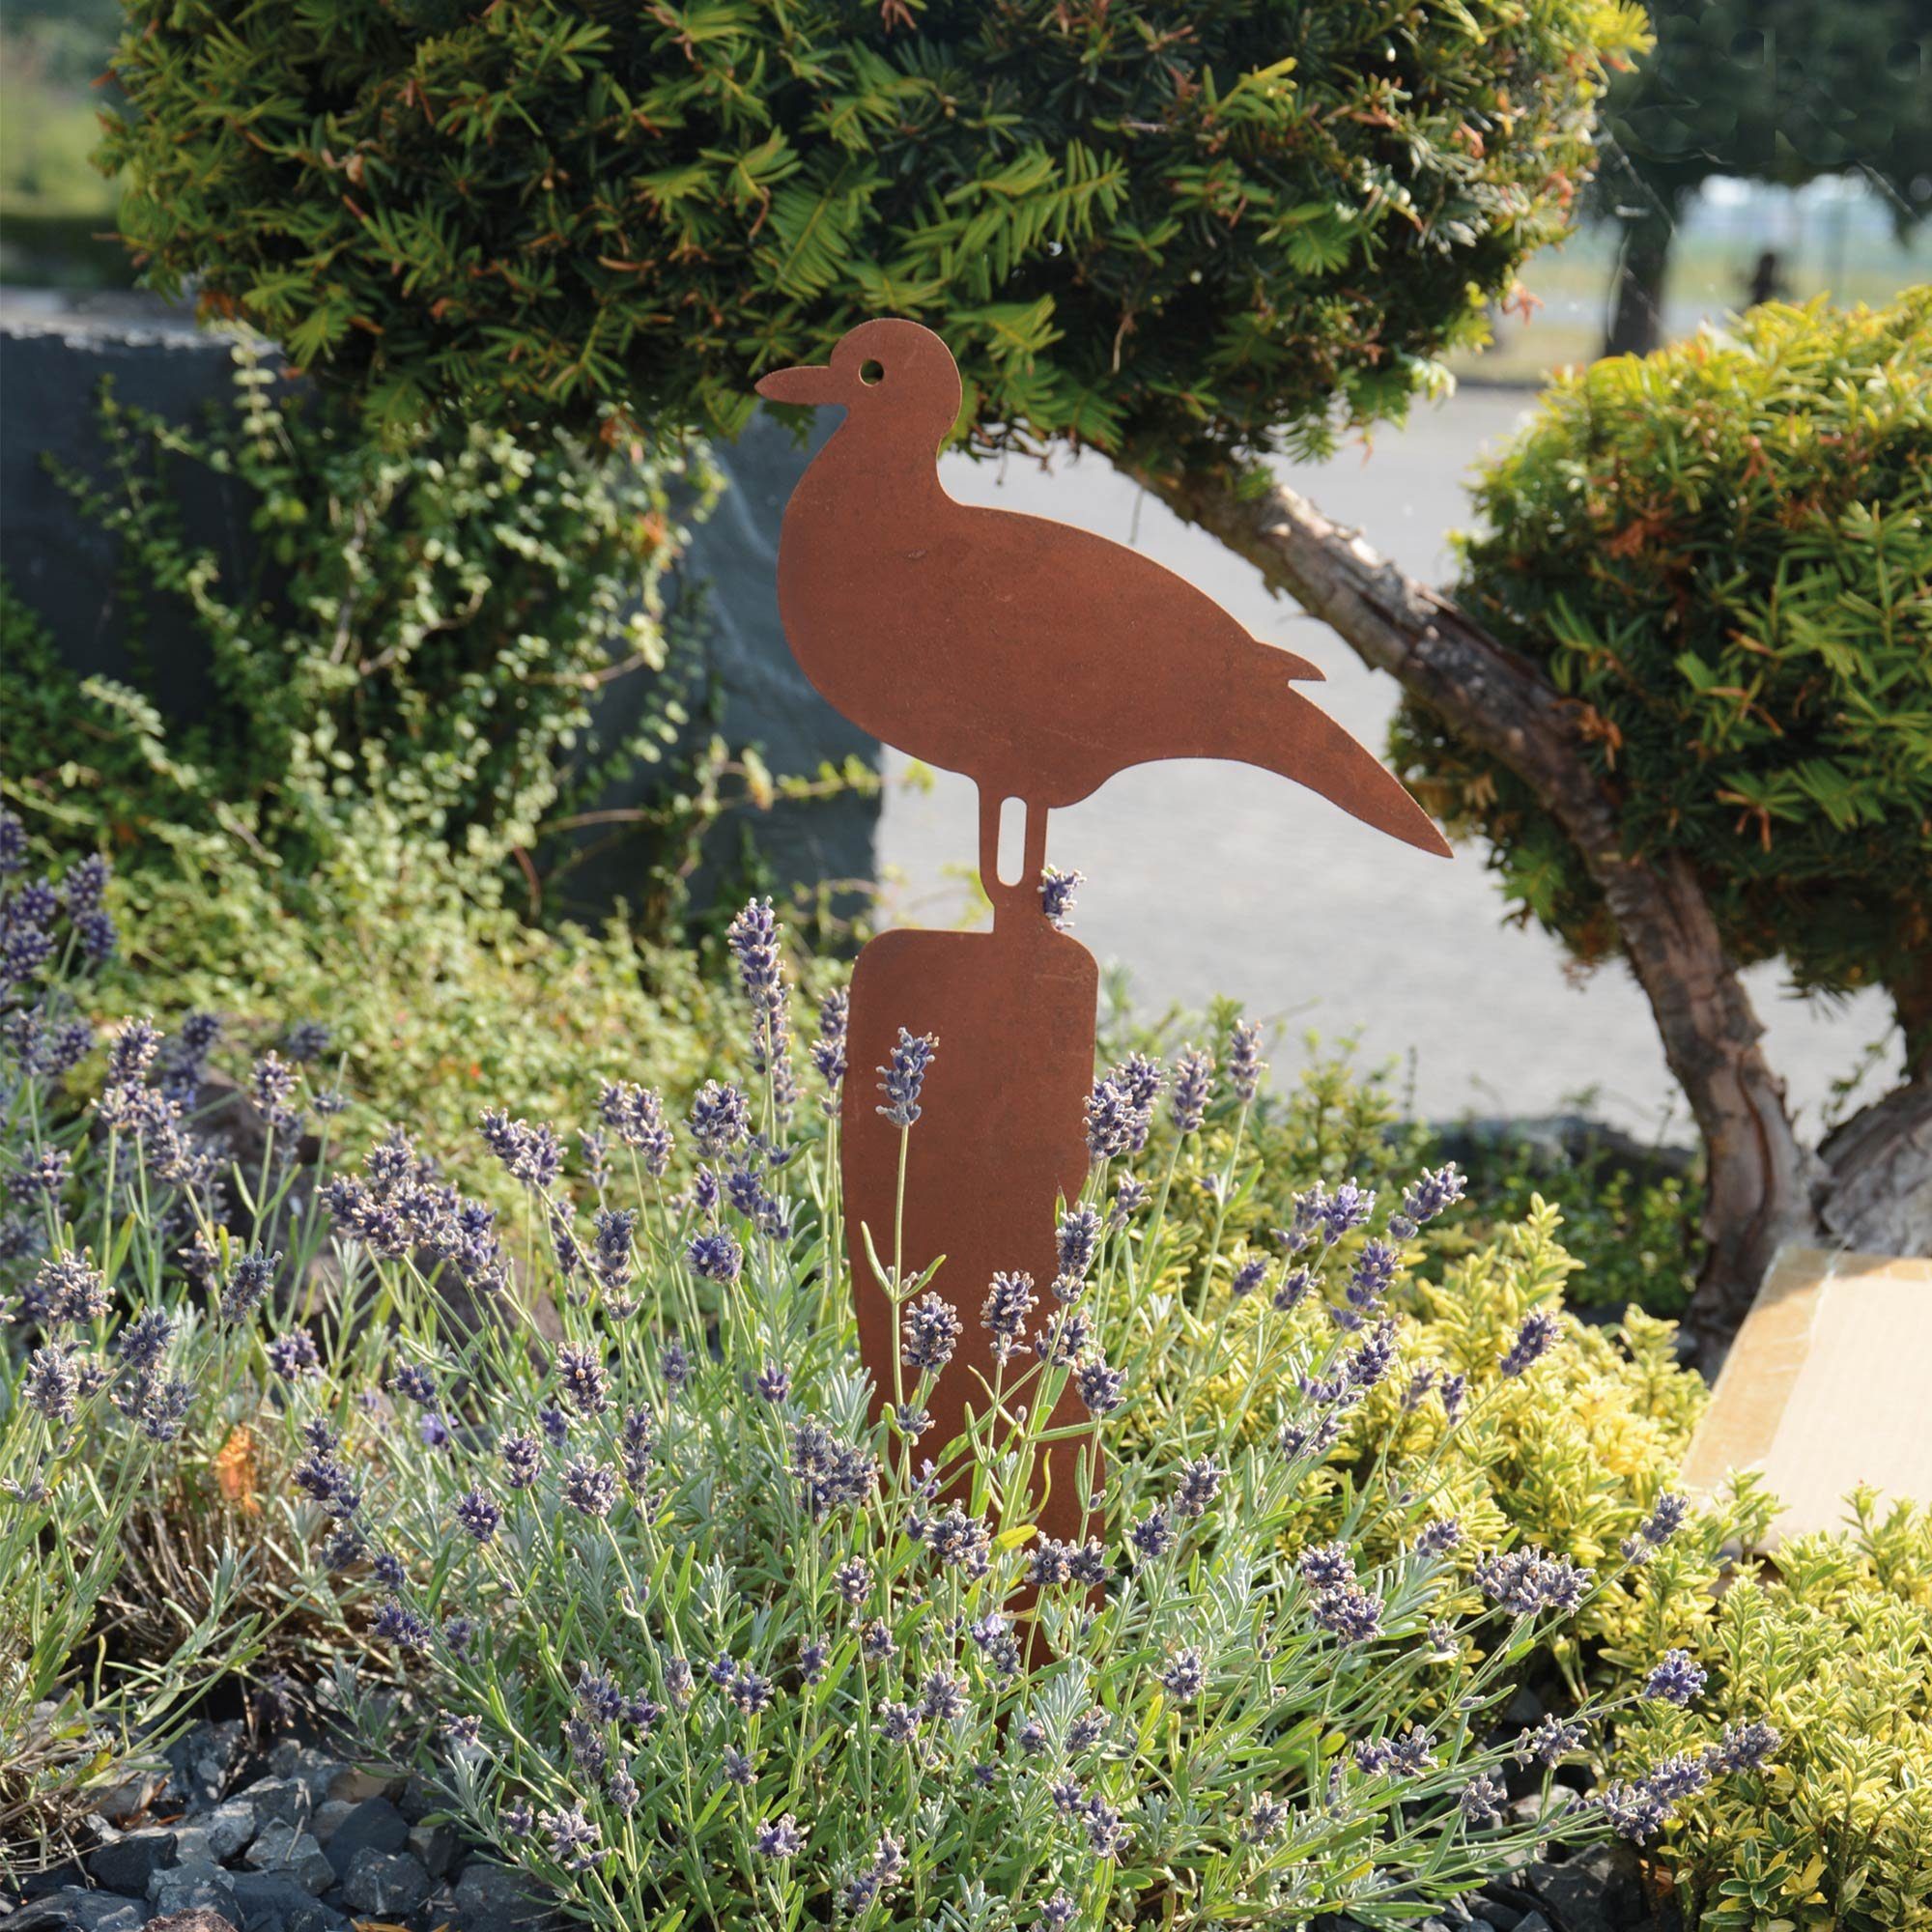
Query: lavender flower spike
{"type": "Point", "coordinates": [1056, 896]}
{"type": "Point", "coordinates": [905, 1074]}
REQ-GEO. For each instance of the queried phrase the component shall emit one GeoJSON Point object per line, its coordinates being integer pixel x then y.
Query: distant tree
{"type": "Point", "coordinates": [1776, 91]}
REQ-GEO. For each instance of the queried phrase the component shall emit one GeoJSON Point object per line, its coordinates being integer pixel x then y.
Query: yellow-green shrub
{"type": "Point", "coordinates": [1832, 1645]}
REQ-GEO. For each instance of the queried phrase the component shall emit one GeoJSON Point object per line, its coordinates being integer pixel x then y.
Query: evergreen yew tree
{"type": "Point", "coordinates": [1188, 233]}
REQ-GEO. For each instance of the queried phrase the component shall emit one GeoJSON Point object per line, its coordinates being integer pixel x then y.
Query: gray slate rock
{"type": "Point", "coordinates": [1600, 1890]}
{"type": "Point", "coordinates": [270, 1799]}
{"type": "Point", "coordinates": [75, 1909]}
{"type": "Point", "coordinates": [273, 1902]}
{"type": "Point", "coordinates": [204, 1760]}
{"type": "Point", "coordinates": [434, 1846]}
{"type": "Point", "coordinates": [373, 1826]}
{"type": "Point", "coordinates": [201, 1886]}
{"type": "Point", "coordinates": [288, 1849]}
{"type": "Point", "coordinates": [315, 1770]}
{"type": "Point", "coordinates": [192, 1921]}
{"type": "Point", "coordinates": [132, 1860]}
{"type": "Point", "coordinates": [1534, 1921]}
{"type": "Point", "coordinates": [492, 1898]}
{"type": "Point", "coordinates": [389, 1883]}
{"type": "Point", "coordinates": [328, 1819]}
{"type": "Point", "coordinates": [230, 1829]}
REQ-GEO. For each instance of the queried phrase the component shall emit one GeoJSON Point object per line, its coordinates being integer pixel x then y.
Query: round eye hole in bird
{"type": "Point", "coordinates": [871, 372]}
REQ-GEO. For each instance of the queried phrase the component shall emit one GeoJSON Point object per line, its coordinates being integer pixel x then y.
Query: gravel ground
{"type": "Point", "coordinates": [1208, 878]}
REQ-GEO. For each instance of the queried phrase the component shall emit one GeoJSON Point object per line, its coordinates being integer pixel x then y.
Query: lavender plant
{"type": "Point", "coordinates": [135, 1520]}
{"type": "Point", "coordinates": [701, 1628]}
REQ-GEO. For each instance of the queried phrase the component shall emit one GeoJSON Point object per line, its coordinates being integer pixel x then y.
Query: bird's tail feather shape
{"type": "Point", "coordinates": [1275, 727]}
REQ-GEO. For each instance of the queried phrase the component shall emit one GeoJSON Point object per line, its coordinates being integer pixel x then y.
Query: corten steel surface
{"type": "Point", "coordinates": [1000, 1136]}
{"type": "Point", "coordinates": [1037, 659]}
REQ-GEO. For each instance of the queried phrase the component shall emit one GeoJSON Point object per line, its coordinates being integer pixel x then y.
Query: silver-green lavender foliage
{"type": "Point", "coordinates": [699, 1641]}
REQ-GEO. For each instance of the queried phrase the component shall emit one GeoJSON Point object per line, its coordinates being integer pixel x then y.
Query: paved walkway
{"type": "Point", "coordinates": [1207, 878]}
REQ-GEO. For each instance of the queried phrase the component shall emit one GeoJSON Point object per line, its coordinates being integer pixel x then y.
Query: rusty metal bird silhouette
{"type": "Point", "coordinates": [1037, 658]}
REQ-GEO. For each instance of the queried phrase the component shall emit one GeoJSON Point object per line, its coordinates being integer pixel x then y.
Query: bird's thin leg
{"type": "Point", "coordinates": [989, 847]}
{"type": "Point", "coordinates": [1034, 872]}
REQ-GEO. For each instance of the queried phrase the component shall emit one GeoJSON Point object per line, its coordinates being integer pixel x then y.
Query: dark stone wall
{"type": "Point", "coordinates": [52, 361]}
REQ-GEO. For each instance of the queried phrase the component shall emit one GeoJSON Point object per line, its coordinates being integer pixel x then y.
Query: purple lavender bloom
{"type": "Point", "coordinates": [930, 1332]}
{"type": "Point", "coordinates": [142, 1342]}
{"type": "Point", "coordinates": [532, 1156]}
{"type": "Point", "coordinates": [780, 1839]}
{"type": "Point", "coordinates": [1100, 1387]}
{"type": "Point", "coordinates": [572, 1837]}
{"type": "Point", "coordinates": [1183, 1677]}
{"type": "Point", "coordinates": [715, 1256]}
{"type": "Point", "coordinates": [1328, 1566]}
{"type": "Point", "coordinates": [1246, 1065]}
{"type": "Point", "coordinates": [1106, 1835]}
{"type": "Point", "coordinates": [1438, 1538]}
{"type": "Point", "coordinates": [1743, 1746]}
{"type": "Point", "coordinates": [960, 1541]}
{"type": "Point", "coordinates": [942, 1698]}
{"type": "Point", "coordinates": [1077, 1239]}
{"type": "Point", "coordinates": [294, 1356]}
{"type": "Point", "coordinates": [248, 1284]}
{"type": "Point", "coordinates": [413, 1382]}
{"type": "Point", "coordinates": [853, 1580]}
{"type": "Point", "coordinates": [1152, 1535]}
{"type": "Point", "coordinates": [828, 1050]}
{"type": "Point", "coordinates": [581, 1371]}
{"type": "Point", "coordinates": [773, 1383]}
{"type": "Point", "coordinates": [720, 1117]}
{"type": "Point", "coordinates": [1248, 1277]}
{"type": "Point", "coordinates": [1373, 1272]}
{"type": "Point", "coordinates": [1373, 1360]}
{"type": "Point", "coordinates": [1454, 1390]}
{"type": "Point", "coordinates": [97, 935]}
{"type": "Point", "coordinates": [1009, 1302]}
{"type": "Point", "coordinates": [43, 1174]}
{"type": "Point", "coordinates": [1552, 1740]}
{"type": "Point", "coordinates": [636, 1116]}
{"type": "Point", "coordinates": [49, 1384]}
{"type": "Point", "coordinates": [1115, 1125]}
{"type": "Point", "coordinates": [1680, 1776]}
{"type": "Point", "coordinates": [754, 939]}
{"type": "Point", "coordinates": [1534, 1339]}
{"type": "Point", "coordinates": [1355, 1615]}
{"type": "Point", "coordinates": [478, 1515]}
{"type": "Point", "coordinates": [1675, 1677]}
{"type": "Point", "coordinates": [1056, 896]}
{"type": "Point", "coordinates": [905, 1075]}
{"type": "Point", "coordinates": [675, 1365]}
{"type": "Point", "coordinates": [1266, 1818]}
{"type": "Point", "coordinates": [394, 1623]}
{"type": "Point", "coordinates": [1484, 1800]}
{"type": "Point", "coordinates": [12, 844]}
{"type": "Point", "coordinates": [522, 1459]}
{"type": "Point", "coordinates": [611, 1248]}
{"type": "Point", "coordinates": [812, 1656]}
{"type": "Point", "coordinates": [1526, 1580]}
{"type": "Point", "coordinates": [1200, 1482]}
{"type": "Point", "coordinates": [1193, 1087]}
{"type": "Point", "coordinates": [1130, 1196]}
{"type": "Point", "coordinates": [1293, 1290]}
{"type": "Point", "coordinates": [1666, 1517]}
{"type": "Point", "coordinates": [1089, 1565]}
{"type": "Point", "coordinates": [1428, 1195]}
{"type": "Point", "coordinates": [591, 1487]}
{"type": "Point", "coordinates": [69, 1289]}
{"type": "Point", "coordinates": [1633, 1811]}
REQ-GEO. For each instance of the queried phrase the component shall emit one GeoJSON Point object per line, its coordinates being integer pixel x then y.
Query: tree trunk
{"type": "Point", "coordinates": [1762, 1181]}
{"type": "Point", "coordinates": [1637, 292]}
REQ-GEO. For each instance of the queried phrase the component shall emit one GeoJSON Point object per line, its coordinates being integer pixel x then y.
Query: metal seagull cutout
{"type": "Point", "coordinates": [1037, 658]}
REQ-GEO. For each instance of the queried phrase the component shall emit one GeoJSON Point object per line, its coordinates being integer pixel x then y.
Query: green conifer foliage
{"type": "Point", "coordinates": [1135, 220]}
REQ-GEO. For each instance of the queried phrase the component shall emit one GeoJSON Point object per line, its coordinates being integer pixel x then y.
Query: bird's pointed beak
{"type": "Point", "coordinates": [810, 383]}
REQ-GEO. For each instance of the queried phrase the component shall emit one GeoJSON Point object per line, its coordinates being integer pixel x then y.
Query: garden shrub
{"type": "Point", "coordinates": [1722, 555]}
{"type": "Point", "coordinates": [426, 622]}
{"type": "Point", "coordinates": [1832, 1643]}
{"type": "Point", "coordinates": [1218, 218]}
